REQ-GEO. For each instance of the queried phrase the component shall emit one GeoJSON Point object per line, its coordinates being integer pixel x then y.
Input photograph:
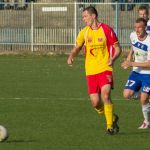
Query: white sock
{"type": "Point", "coordinates": [146, 112]}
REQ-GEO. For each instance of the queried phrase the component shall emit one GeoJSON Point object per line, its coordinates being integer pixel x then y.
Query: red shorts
{"type": "Point", "coordinates": [95, 82]}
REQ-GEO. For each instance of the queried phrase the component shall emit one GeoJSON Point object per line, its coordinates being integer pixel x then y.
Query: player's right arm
{"type": "Point", "coordinates": [128, 59]}
{"type": "Point", "coordinates": [79, 44]}
{"type": "Point", "coordinates": [73, 54]}
{"type": "Point", "coordinates": [130, 55]}
{"type": "Point", "coordinates": [131, 52]}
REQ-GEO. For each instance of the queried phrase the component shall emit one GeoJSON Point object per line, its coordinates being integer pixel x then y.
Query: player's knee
{"type": "Point", "coordinates": [95, 104]}
{"type": "Point", "coordinates": [126, 95]}
{"type": "Point", "coordinates": [106, 98]}
{"type": "Point", "coordinates": [95, 100]}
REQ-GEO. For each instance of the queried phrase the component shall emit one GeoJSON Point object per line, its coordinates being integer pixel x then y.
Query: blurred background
{"type": "Point", "coordinates": [47, 26]}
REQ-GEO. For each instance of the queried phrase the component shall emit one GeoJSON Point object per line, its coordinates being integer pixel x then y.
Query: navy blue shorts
{"type": "Point", "coordinates": [138, 82]}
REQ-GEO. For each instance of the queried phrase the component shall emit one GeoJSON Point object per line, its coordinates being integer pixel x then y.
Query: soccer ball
{"type": "Point", "coordinates": [3, 133]}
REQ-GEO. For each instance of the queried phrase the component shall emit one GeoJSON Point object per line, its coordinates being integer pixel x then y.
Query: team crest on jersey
{"type": "Point", "coordinates": [89, 39]}
{"type": "Point", "coordinates": [100, 39]}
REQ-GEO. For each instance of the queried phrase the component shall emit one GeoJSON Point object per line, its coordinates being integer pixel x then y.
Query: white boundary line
{"type": "Point", "coordinates": [47, 98]}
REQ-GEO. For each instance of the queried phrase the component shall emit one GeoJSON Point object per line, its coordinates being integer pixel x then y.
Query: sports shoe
{"type": "Point", "coordinates": [136, 96]}
{"type": "Point", "coordinates": [115, 128]}
{"type": "Point", "coordinates": [110, 131]}
{"type": "Point", "coordinates": [144, 126]}
{"type": "Point", "coordinates": [115, 124]}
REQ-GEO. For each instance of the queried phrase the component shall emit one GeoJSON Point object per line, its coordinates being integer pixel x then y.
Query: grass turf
{"type": "Point", "coordinates": [45, 106]}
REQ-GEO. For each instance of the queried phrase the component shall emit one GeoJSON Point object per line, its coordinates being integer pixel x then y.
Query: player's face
{"type": "Point", "coordinates": [143, 14]}
{"type": "Point", "coordinates": [140, 29]}
{"type": "Point", "coordinates": [88, 18]}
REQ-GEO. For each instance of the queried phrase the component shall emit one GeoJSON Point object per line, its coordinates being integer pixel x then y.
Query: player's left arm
{"type": "Point", "coordinates": [113, 41]}
{"type": "Point", "coordinates": [138, 64]}
{"type": "Point", "coordinates": [116, 54]}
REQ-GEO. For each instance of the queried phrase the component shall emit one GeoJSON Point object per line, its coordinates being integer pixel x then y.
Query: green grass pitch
{"type": "Point", "coordinates": [45, 106]}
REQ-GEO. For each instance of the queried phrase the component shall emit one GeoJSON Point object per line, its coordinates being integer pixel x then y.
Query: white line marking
{"type": "Point", "coordinates": [48, 98]}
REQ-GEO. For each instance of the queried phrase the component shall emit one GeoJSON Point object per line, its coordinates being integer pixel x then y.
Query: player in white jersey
{"type": "Point", "coordinates": [143, 12]}
{"type": "Point", "coordinates": [148, 26]}
{"type": "Point", "coordinates": [139, 79]}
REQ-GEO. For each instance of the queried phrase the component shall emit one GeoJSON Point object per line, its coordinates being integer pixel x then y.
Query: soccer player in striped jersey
{"type": "Point", "coordinates": [101, 50]}
{"type": "Point", "coordinates": [139, 79]}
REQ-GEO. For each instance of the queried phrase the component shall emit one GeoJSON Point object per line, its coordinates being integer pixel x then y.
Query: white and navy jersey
{"type": "Point", "coordinates": [148, 27]}
{"type": "Point", "coordinates": [141, 52]}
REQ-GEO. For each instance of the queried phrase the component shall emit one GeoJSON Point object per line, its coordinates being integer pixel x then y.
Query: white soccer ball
{"type": "Point", "coordinates": [3, 133]}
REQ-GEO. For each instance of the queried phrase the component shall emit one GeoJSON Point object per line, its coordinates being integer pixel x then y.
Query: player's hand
{"type": "Point", "coordinates": [70, 61]}
{"type": "Point", "coordinates": [126, 64]}
{"type": "Point", "coordinates": [110, 62]}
